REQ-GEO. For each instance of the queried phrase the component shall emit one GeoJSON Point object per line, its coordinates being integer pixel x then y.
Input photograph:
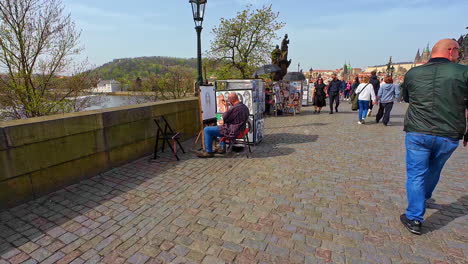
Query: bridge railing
{"type": "Point", "coordinates": [41, 155]}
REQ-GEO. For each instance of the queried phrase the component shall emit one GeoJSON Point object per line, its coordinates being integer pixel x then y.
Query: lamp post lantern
{"type": "Point", "coordinates": [198, 11]}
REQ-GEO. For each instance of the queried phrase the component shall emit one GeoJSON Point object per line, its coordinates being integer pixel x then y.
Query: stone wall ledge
{"type": "Point", "coordinates": [40, 155]}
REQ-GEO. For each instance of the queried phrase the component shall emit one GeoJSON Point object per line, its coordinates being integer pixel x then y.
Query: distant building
{"type": "Point", "coordinates": [348, 72]}
{"type": "Point", "coordinates": [403, 67]}
{"type": "Point", "coordinates": [107, 86]}
{"type": "Point", "coordinates": [323, 73]}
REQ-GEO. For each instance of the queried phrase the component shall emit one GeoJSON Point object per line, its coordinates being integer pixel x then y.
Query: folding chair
{"type": "Point", "coordinates": [242, 138]}
{"type": "Point", "coordinates": [167, 135]}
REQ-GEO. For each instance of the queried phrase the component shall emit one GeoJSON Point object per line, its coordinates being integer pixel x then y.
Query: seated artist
{"type": "Point", "coordinates": [233, 123]}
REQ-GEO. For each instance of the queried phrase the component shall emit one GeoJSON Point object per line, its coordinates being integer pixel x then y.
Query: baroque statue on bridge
{"type": "Point", "coordinates": [463, 42]}
{"type": "Point", "coordinates": [280, 59]}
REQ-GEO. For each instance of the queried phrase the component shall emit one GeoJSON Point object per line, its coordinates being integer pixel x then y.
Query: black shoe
{"type": "Point", "coordinates": [336, 110]}
{"type": "Point", "coordinates": [414, 226]}
{"type": "Point", "coordinates": [331, 113]}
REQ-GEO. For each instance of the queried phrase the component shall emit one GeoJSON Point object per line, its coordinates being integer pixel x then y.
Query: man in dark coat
{"type": "Point", "coordinates": [376, 84]}
{"type": "Point", "coordinates": [334, 88]}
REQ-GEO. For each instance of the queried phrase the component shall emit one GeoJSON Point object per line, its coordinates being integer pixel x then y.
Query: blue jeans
{"type": "Point", "coordinates": [363, 108]}
{"type": "Point", "coordinates": [425, 158]}
{"type": "Point", "coordinates": [210, 133]}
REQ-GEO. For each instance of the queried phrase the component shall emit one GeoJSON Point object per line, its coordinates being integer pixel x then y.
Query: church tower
{"type": "Point", "coordinates": [426, 54]}
{"type": "Point", "coordinates": [417, 59]}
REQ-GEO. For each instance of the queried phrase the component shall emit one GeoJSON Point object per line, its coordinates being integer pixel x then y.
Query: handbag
{"type": "Point", "coordinates": [355, 98]}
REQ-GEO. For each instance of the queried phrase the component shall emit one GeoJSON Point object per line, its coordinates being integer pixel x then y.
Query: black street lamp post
{"type": "Point", "coordinates": [198, 10]}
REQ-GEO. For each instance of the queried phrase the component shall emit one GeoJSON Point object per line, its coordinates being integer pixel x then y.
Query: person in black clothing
{"type": "Point", "coordinates": [319, 96]}
{"type": "Point", "coordinates": [376, 84]}
{"type": "Point", "coordinates": [268, 101]}
{"type": "Point", "coordinates": [334, 88]}
{"type": "Point", "coordinates": [354, 85]}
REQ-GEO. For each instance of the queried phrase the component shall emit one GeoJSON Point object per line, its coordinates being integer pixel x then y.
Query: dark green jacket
{"type": "Point", "coordinates": [436, 93]}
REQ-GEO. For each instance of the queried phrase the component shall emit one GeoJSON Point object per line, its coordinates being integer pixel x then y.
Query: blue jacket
{"type": "Point", "coordinates": [343, 86]}
{"type": "Point", "coordinates": [334, 86]}
{"type": "Point", "coordinates": [388, 92]}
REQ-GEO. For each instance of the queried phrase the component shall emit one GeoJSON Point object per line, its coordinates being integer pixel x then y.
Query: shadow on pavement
{"type": "Point", "coordinates": [273, 144]}
{"type": "Point", "coordinates": [445, 214]}
{"type": "Point", "coordinates": [304, 125]}
{"type": "Point", "coordinates": [90, 207]}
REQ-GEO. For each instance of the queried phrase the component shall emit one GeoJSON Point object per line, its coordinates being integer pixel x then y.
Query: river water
{"type": "Point", "coordinates": [107, 101]}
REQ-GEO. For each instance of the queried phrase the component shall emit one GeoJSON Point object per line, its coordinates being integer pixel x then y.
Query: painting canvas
{"type": "Point", "coordinates": [245, 96]}
{"type": "Point", "coordinates": [207, 98]}
{"type": "Point", "coordinates": [221, 97]}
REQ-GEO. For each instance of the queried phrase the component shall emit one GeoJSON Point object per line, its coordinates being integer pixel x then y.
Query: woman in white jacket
{"type": "Point", "coordinates": [366, 94]}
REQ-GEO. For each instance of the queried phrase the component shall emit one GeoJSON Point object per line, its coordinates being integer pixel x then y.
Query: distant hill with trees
{"type": "Point", "coordinates": [141, 67]}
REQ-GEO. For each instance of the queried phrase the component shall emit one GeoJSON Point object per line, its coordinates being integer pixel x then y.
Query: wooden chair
{"type": "Point", "coordinates": [167, 135]}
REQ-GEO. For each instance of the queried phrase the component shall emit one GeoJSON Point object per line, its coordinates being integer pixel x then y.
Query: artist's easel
{"type": "Point", "coordinates": [203, 123]}
{"type": "Point", "coordinates": [202, 126]}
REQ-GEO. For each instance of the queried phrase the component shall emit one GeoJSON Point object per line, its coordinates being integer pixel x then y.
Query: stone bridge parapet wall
{"type": "Point", "coordinates": [41, 155]}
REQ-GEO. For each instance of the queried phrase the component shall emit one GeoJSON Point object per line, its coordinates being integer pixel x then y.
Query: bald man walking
{"type": "Point", "coordinates": [434, 124]}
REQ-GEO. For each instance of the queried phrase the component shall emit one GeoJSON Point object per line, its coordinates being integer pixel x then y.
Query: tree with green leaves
{"type": "Point", "coordinates": [37, 43]}
{"type": "Point", "coordinates": [245, 41]}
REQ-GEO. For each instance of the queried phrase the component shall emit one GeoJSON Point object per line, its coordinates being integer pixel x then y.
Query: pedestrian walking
{"type": "Point", "coordinates": [333, 91]}
{"type": "Point", "coordinates": [342, 89]}
{"type": "Point", "coordinates": [388, 92]}
{"type": "Point", "coordinates": [366, 96]}
{"type": "Point", "coordinates": [435, 122]}
{"type": "Point", "coordinates": [354, 85]}
{"type": "Point", "coordinates": [376, 85]}
{"type": "Point", "coordinates": [319, 96]}
{"type": "Point", "coordinates": [347, 91]}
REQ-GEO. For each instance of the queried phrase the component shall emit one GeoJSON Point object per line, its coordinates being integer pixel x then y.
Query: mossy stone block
{"type": "Point", "coordinates": [15, 191]}
{"type": "Point", "coordinates": [125, 115]}
{"type": "Point", "coordinates": [32, 157]}
{"type": "Point", "coordinates": [164, 109]}
{"type": "Point", "coordinates": [130, 152]}
{"type": "Point", "coordinates": [5, 165]}
{"type": "Point", "coordinates": [3, 139]}
{"type": "Point", "coordinates": [56, 177]}
{"type": "Point", "coordinates": [22, 132]}
{"type": "Point", "coordinates": [129, 133]}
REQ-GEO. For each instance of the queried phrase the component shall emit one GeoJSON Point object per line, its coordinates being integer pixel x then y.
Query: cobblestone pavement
{"type": "Point", "coordinates": [319, 189]}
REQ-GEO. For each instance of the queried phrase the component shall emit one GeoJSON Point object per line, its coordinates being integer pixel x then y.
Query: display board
{"type": "Point", "coordinates": [245, 97]}
{"type": "Point", "coordinates": [252, 94]}
{"type": "Point", "coordinates": [208, 102]}
{"type": "Point", "coordinates": [307, 93]}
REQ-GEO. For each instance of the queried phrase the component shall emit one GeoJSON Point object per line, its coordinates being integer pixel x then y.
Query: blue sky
{"type": "Point", "coordinates": [323, 34]}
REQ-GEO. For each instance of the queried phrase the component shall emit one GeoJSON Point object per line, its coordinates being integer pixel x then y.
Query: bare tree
{"type": "Point", "coordinates": [176, 83]}
{"type": "Point", "coordinates": [37, 43]}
